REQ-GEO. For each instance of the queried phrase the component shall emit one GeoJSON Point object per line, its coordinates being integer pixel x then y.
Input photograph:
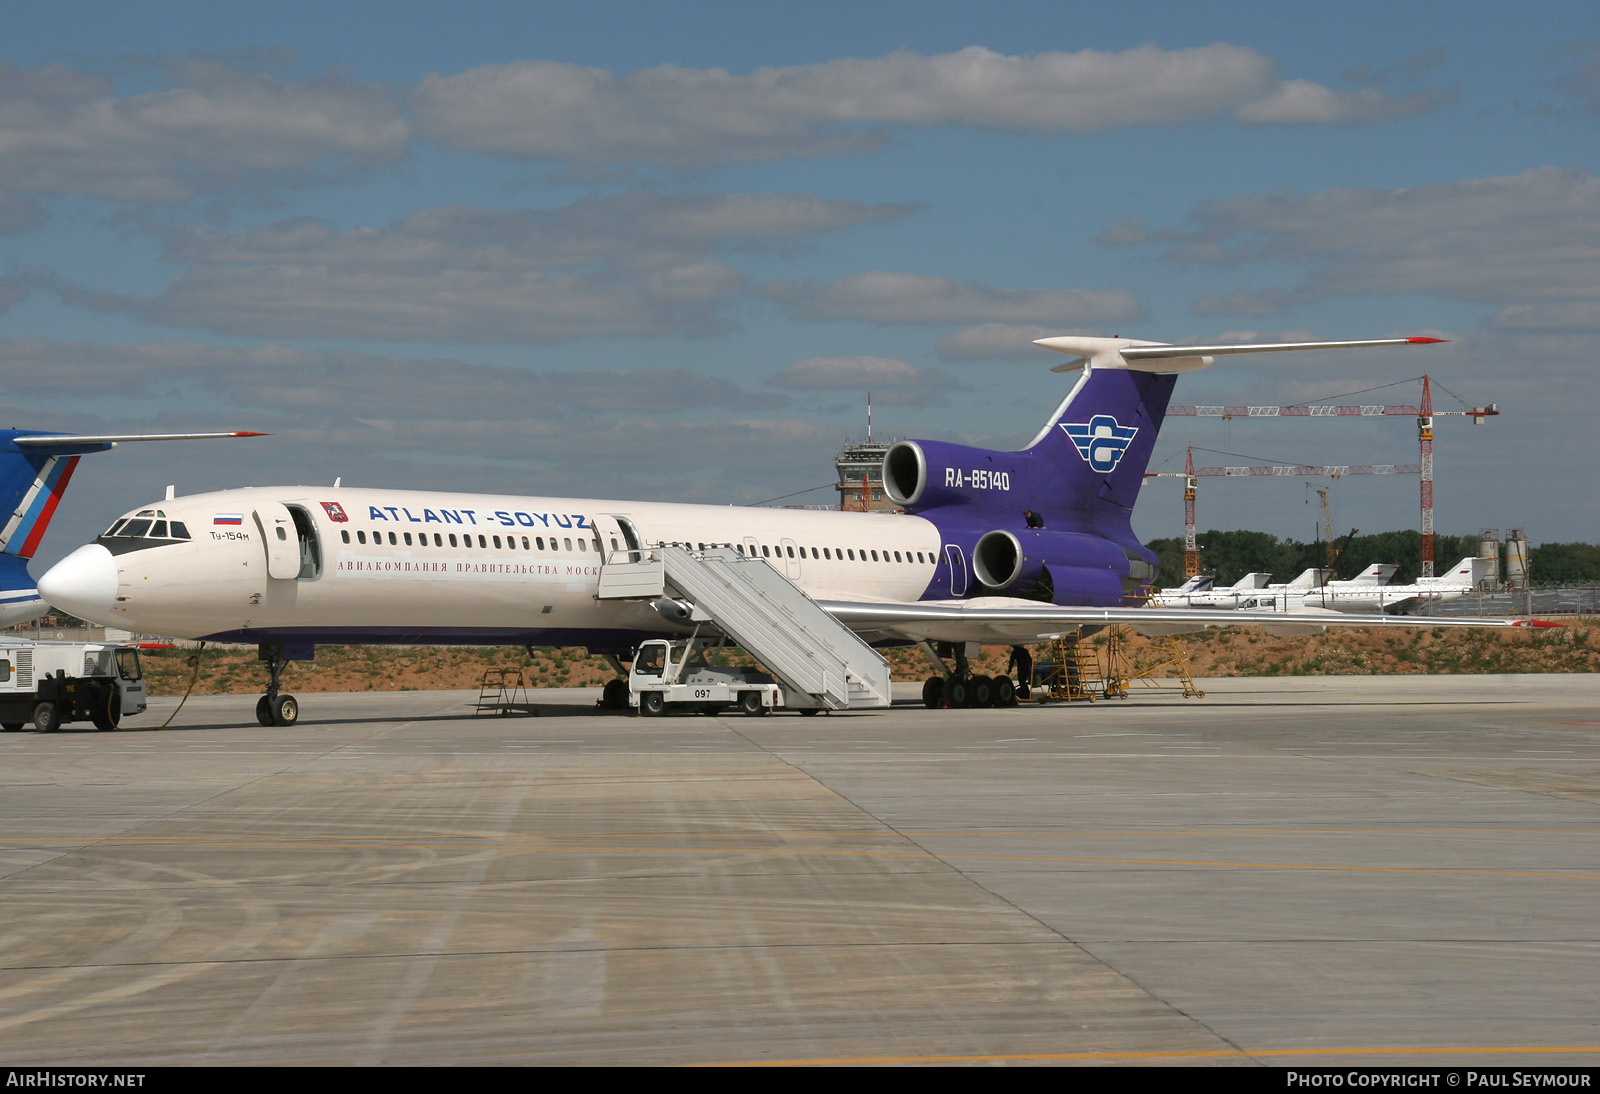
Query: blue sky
{"type": "Point", "coordinates": [646, 250]}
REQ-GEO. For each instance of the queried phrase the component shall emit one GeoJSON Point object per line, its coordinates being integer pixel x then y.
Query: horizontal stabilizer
{"type": "Point", "coordinates": [1142, 356]}
{"type": "Point", "coordinates": [79, 444]}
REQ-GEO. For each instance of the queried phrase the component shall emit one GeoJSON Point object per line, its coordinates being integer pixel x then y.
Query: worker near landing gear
{"type": "Point", "coordinates": [1022, 663]}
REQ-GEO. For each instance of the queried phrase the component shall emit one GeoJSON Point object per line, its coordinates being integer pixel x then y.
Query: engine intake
{"type": "Point", "coordinates": [920, 475]}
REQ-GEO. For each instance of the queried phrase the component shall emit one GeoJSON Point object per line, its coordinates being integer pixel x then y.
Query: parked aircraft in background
{"type": "Point", "coordinates": [993, 547]}
{"type": "Point", "coordinates": [1379, 573]}
{"type": "Point", "coordinates": [1210, 597]}
{"type": "Point", "coordinates": [1255, 590]}
{"type": "Point", "coordinates": [1200, 583]}
{"type": "Point", "coordinates": [35, 468]}
{"type": "Point", "coordinates": [1364, 594]}
{"type": "Point", "coordinates": [1354, 596]}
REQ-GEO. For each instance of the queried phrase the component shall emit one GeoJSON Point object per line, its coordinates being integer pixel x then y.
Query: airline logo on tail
{"type": "Point", "coordinates": [1101, 441]}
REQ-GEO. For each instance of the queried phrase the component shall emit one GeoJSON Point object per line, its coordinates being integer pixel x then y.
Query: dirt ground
{"type": "Point", "coordinates": [1229, 651]}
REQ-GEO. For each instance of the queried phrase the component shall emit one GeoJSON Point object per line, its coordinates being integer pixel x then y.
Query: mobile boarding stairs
{"type": "Point", "coordinates": [763, 613]}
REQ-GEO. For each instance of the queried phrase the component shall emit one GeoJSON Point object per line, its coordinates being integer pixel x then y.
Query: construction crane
{"type": "Point", "coordinates": [1424, 415]}
{"type": "Point", "coordinates": [1192, 476]}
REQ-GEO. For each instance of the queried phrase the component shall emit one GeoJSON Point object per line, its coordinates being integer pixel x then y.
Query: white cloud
{"type": "Point", "coordinates": [855, 373]}
{"type": "Point", "coordinates": [676, 116]}
{"type": "Point", "coordinates": [999, 342]}
{"type": "Point", "coordinates": [64, 132]}
{"type": "Point", "coordinates": [632, 265]}
{"type": "Point", "coordinates": [324, 390]}
{"type": "Point", "coordinates": [1528, 244]}
{"type": "Point", "coordinates": [1300, 102]}
{"type": "Point", "coordinates": [884, 297]}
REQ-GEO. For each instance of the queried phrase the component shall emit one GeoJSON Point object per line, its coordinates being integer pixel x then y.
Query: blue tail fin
{"type": "Point", "coordinates": [1089, 460]}
{"type": "Point", "coordinates": [31, 485]}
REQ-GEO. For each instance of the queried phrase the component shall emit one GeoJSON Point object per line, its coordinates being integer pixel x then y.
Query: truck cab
{"type": "Point", "coordinates": [682, 672]}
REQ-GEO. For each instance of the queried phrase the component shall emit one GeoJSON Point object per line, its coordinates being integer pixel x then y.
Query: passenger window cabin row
{"type": "Point", "coordinates": [484, 542]}
{"type": "Point", "coordinates": [566, 543]}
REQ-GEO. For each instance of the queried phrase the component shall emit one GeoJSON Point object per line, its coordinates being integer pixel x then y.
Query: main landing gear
{"type": "Point", "coordinates": [969, 691]}
{"type": "Point", "coordinates": [962, 689]}
{"type": "Point", "coordinates": [274, 708]}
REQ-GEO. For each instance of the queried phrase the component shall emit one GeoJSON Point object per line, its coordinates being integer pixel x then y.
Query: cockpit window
{"type": "Point", "coordinates": [144, 528]}
{"type": "Point", "coordinates": [140, 532]}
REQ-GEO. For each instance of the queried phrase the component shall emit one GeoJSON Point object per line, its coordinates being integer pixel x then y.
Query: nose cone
{"type": "Point", "coordinates": [84, 583]}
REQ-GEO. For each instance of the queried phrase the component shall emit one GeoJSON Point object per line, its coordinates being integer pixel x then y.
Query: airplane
{"type": "Point", "coordinates": [1200, 583]}
{"type": "Point", "coordinates": [1254, 590]}
{"type": "Point", "coordinates": [35, 469]}
{"type": "Point", "coordinates": [1207, 597]}
{"type": "Point", "coordinates": [1353, 596]}
{"type": "Point", "coordinates": [1379, 573]}
{"type": "Point", "coordinates": [992, 547]}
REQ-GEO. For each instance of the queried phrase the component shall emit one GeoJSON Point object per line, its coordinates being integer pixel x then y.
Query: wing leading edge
{"type": "Point", "coordinates": [1003, 620]}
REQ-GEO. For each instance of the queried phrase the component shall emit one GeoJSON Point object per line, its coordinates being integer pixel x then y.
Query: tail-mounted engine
{"type": "Point", "coordinates": [921, 475]}
{"type": "Point", "coordinates": [1076, 568]}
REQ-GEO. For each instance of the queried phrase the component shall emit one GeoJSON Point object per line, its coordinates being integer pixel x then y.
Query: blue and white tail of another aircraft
{"type": "Point", "coordinates": [35, 469]}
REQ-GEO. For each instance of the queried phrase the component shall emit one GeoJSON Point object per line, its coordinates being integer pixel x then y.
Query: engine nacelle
{"type": "Point", "coordinates": [920, 475]}
{"type": "Point", "coordinates": [1084, 569]}
{"type": "Point", "coordinates": [673, 610]}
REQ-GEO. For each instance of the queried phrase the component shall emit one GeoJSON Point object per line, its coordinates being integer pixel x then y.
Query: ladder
{"type": "Point", "coordinates": [502, 692]}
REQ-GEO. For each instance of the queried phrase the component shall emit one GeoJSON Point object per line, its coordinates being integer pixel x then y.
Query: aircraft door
{"type": "Point", "coordinates": [958, 569]}
{"type": "Point", "coordinates": [277, 528]}
{"type": "Point", "coordinates": [792, 554]}
{"type": "Point", "coordinates": [617, 535]}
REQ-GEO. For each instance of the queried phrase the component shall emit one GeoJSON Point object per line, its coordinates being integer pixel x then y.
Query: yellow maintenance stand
{"type": "Point", "coordinates": [1110, 664]}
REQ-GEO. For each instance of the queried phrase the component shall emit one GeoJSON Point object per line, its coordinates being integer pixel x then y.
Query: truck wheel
{"type": "Point", "coordinates": [285, 711]}
{"type": "Point", "coordinates": [615, 695]}
{"type": "Point", "coordinates": [750, 703]}
{"type": "Point", "coordinates": [46, 717]}
{"type": "Point", "coordinates": [651, 703]}
{"type": "Point", "coordinates": [107, 710]}
{"type": "Point", "coordinates": [12, 727]}
{"type": "Point", "coordinates": [264, 711]}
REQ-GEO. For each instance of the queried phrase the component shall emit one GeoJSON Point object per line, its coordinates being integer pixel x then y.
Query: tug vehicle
{"type": "Point", "coordinates": [54, 683]}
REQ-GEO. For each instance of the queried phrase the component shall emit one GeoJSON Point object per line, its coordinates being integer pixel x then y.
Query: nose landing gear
{"type": "Point", "coordinates": [275, 708]}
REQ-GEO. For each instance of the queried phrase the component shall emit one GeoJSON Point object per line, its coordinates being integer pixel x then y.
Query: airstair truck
{"type": "Point", "coordinates": [678, 672]}
{"type": "Point", "coordinates": [54, 683]}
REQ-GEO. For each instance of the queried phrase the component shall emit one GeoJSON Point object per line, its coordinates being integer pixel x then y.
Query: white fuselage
{"type": "Point", "coordinates": [345, 564]}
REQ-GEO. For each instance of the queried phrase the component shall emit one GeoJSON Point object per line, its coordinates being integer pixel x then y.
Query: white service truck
{"type": "Point", "coordinates": [53, 683]}
{"type": "Point", "coordinates": [679, 672]}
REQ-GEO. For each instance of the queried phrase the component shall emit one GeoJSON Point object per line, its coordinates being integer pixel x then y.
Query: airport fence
{"type": "Point", "coordinates": [1558, 600]}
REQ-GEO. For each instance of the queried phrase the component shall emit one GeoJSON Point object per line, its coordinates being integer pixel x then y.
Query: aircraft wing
{"type": "Point", "coordinates": [1000, 620]}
